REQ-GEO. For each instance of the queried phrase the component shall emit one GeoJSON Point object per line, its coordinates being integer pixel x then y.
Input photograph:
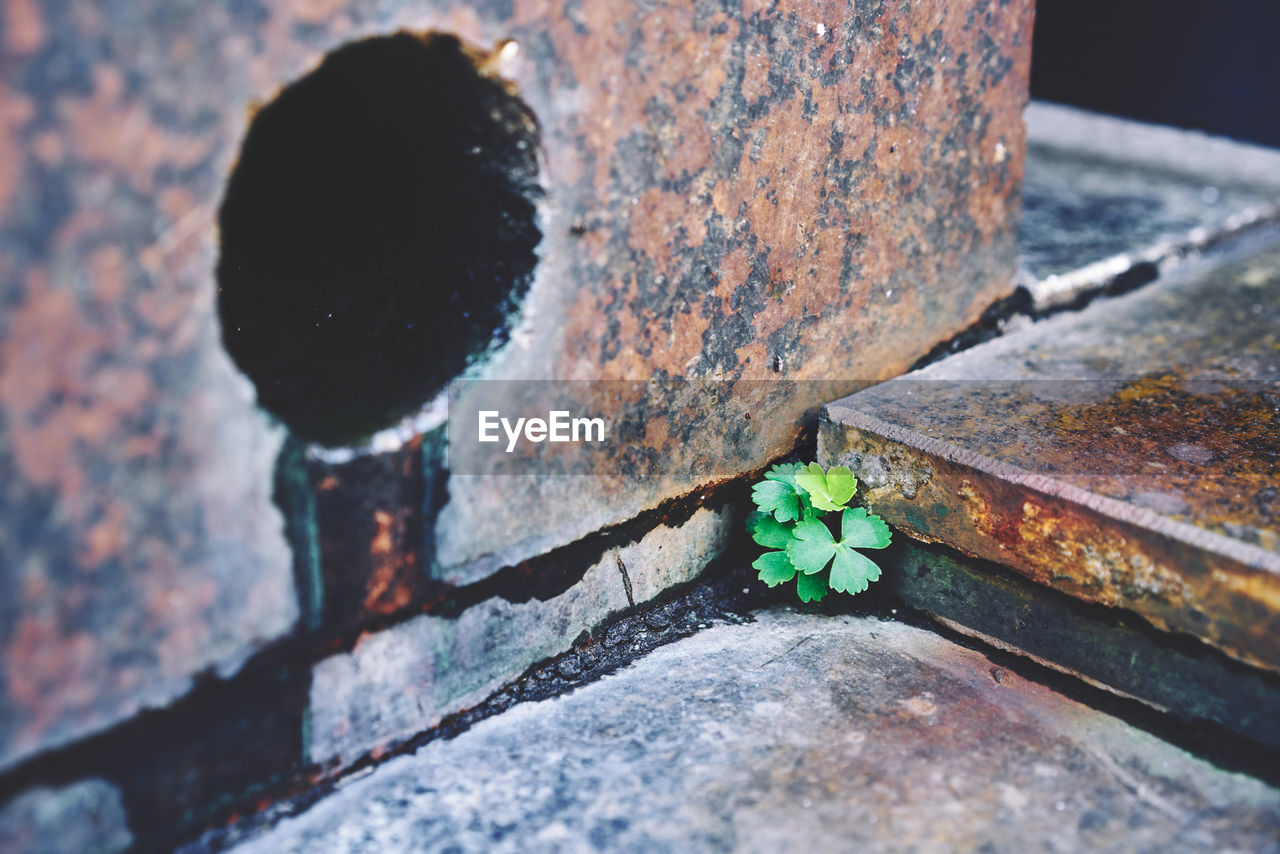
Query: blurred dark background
{"type": "Point", "coordinates": [1211, 65]}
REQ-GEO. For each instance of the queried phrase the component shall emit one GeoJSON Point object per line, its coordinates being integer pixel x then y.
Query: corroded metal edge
{"type": "Point", "coordinates": [1179, 577]}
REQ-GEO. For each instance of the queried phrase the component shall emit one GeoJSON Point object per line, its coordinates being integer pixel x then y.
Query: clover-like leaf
{"type": "Point", "coordinates": [786, 473]}
{"type": "Point", "coordinates": [829, 490]}
{"type": "Point", "coordinates": [812, 546]}
{"type": "Point", "coordinates": [793, 499]}
{"type": "Point", "coordinates": [774, 568]}
{"type": "Point", "coordinates": [783, 473]}
{"type": "Point", "coordinates": [852, 571]}
{"type": "Point", "coordinates": [771, 533]}
{"type": "Point", "coordinates": [811, 588]}
{"type": "Point", "coordinates": [778, 498]}
{"type": "Point", "coordinates": [860, 530]}
{"type": "Point", "coordinates": [841, 485]}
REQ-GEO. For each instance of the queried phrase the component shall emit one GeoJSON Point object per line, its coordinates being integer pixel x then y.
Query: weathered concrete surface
{"type": "Point", "coordinates": [406, 679]}
{"type": "Point", "coordinates": [1126, 455]}
{"type": "Point", "coordinates": [799, 732]}
{"type": "Point", "coordinates": [1104, 196]}
{"type": "Point", "coordinates": [85, 817]}
{"type": "Point", "coordinates": [1108, 648]}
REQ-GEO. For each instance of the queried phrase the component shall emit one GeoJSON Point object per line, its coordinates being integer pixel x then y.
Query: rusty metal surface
{"type": "Point", "coordinates": [368, 523]}
{"type": "Point", "coordinates": [820, 190]}
{"type": "Point", "coordinates": [1127, 455]}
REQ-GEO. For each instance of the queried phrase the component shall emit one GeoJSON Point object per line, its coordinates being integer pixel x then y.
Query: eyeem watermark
{"type": "Point", "coordinates": [557, 427]}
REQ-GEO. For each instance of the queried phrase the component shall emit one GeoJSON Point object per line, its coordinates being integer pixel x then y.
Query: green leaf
{"type": "Point", "coordinates": [791, 500]}
{"type": "Point", "coordinates": [851, 571]}
{"type": "Point", "coordinates": [813, 480]}
{"type": "Point", "coordinates": [812, 546]}
{"type": "Point", "coordinates": [829, 490]}
{"type": "Point", "coordinates": [784, 473]}
{"type": "Point", "coordinates": [841, 484]}
{"type": "Point", "coordinates": [858, 530]}
{"type": "Point", "coordinates": [771, 533]}
{"type": "Point", "coordinates": [774, 568]}
{"type": "Point", "coordinates": [778, 498]}
{"type": "Point", "coordinates": [811, 587]}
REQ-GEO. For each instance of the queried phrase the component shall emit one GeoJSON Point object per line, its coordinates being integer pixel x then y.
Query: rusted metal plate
{"type": "Point", "coordinates": [368, 523]}
{"type": "Point", "coordinates": [816, 190]}
{"type": "Point", "coordinates": [1126, 454]}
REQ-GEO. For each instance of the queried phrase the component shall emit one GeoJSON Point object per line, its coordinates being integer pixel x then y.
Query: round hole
{"type": "Point", "coordinates": [378, 233]}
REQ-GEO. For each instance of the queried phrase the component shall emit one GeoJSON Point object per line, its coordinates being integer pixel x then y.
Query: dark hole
{"type": "Point", "coordinates": [378, 233]}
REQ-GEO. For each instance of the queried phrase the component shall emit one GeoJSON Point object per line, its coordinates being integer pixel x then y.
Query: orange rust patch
{"type": "Point", "coordinates": [1210, 446]}
{"type": "Point", "coordinates": [109, 130]}
{"type": "Point", "coordinates": [382, 542]}
{"type": "Point", "coordinates": [106, 266]}
{"type": "Point", "coordinates": [24, 30]}
{"type": "Point", "coordinates": [15, 112]}
{"type": "Point", "coordinates": [47, 672]}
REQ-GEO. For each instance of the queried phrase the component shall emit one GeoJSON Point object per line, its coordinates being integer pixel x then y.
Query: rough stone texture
{"type": "Point", "coordinates": [406, 679]}
{"type": "Point", "coordinates": [746, 192]}
{"type": "Point", "coordinates": [1104, 196]}
{"type": "Point", "coordinates": [796, 733]}
{"type": "Point", "coordinates": [1110, 649]}
{"type": "Point", "coordinates": [85, 817]}
{"type": "Point", "coordinates": [138, 541]}
{"type": "Point", "coordinates": [1126, 455]}
{"type": "Point", "coordinates": [814, 190]}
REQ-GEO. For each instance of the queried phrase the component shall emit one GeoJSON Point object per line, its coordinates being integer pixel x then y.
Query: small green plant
{"type": "Point", "coordinates": [796, 518]}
